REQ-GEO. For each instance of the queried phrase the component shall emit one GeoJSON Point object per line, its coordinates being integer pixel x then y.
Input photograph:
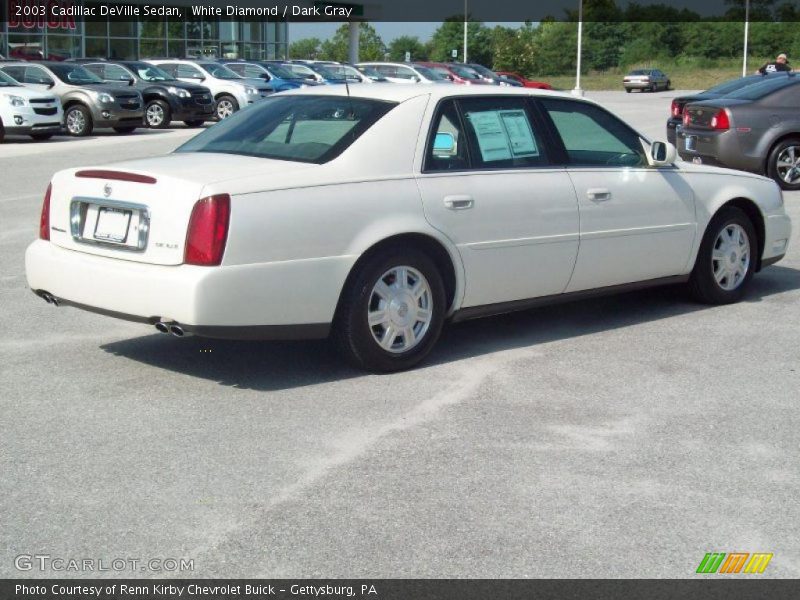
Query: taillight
{"type": "Point", "coordinates": [44, 220]}
{"type": "Point", "coordinates": [687, 120]}
{"type": "Point", "coordinates": [208, 231]}
{"type": "Point", "coordinates": [676, 109]}
{"type": "Point", "coordinates": [721, 120]}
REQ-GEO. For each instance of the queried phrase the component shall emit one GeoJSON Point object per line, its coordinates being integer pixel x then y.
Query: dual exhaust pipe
{"type": "Point", "coordinates": [171, 327]}
{"type": "Point", "coordinates": [48, 297]}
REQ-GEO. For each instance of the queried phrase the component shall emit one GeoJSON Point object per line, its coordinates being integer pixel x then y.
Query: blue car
{"type": "Point", "coordinates": [279, 77]}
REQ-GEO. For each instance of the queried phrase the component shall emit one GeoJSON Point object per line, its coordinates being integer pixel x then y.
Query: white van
{"type": "Point", "coordinates": [24, 111]}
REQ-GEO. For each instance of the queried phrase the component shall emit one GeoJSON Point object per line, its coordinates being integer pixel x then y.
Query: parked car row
{"type": "Point", "coordinates": [751, 124]}
{"type": "Point", "coordinates": [126, 94]}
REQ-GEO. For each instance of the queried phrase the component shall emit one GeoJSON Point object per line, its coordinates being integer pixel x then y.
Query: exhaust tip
{"type": "Point", "coordinates": [162, 327]}
{"type": "Point", "coordinates": [48, 297]}
{"type": "Point", "coordinates": [177, 330]}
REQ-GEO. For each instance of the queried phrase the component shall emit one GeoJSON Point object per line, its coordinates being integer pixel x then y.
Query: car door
{"type": "Point", "coordinates": [188, 73]}
{"type": "Point", "coordinates": [488, 182]}
{"type": "Point", "coordinates": [636, 222]}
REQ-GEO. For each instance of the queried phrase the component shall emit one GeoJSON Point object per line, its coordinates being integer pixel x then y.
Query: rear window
{"type": "Point", "coordinates": [760, 90]}
{"type": "Point", "coordinates": [312, 129]}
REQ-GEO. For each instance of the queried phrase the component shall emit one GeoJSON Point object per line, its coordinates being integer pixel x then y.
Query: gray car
{"type": "Point", "coordinates": [646, 80]}
{"type": "Point", "coordinates": [88, 102]}
{"type": "Point", "coordinates": [756, 129]}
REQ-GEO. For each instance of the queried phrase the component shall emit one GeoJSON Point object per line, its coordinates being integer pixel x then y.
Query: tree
{"type": "Point", "coordinates": [406, 43]}
{"type": "Point", "coordinates": [370, 45]}
{"type": "Point", "coordinates": [307, 48]}
{"type": "Point", "coordinates": [450, 36]}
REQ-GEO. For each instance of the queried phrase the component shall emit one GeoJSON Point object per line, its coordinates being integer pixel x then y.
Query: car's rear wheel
{"type": "Point", "coordinates": [157, 114]}
{"type": "Point", "coordinates": [392, 312]}
{"type": "Point", "coordinates": [226, 106]}
{"type": "Point", "coordinates": [726, 259]}
{"type": "Point", "coordinates": [783, 164]}
{"type": "Point", "coordinates": [78, 121]}
{"type": "Point", "coordinates": [194, 122]}
{"type": "Point", "coordinates": [628, 90]}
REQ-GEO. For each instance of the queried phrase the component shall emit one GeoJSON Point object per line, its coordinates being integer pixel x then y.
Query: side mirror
{"type": "Point", "coordinates": [130, 81]}
{"type": "Point", "coordinates": [444, 143]}
{"type": "Point", "coordinates": [662, 154]}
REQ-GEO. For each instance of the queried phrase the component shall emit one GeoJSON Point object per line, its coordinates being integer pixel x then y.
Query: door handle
{"type": "Point", "coordinates": [598, 194]}
{"type": "Point", "coordinates": [459, 202]}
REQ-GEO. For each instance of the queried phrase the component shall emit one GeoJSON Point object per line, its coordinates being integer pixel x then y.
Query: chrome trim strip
{"type": "Point", "coordinates": [78, 210]}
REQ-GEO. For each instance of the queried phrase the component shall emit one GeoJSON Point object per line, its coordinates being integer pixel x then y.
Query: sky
{"type": "Point", "coordinates": [387, 31]}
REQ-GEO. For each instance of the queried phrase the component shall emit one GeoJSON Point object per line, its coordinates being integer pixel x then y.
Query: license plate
{"type": "Point", "coordinates": [112, 224]}
{"type": "Point", "coordinates": [691, 142]}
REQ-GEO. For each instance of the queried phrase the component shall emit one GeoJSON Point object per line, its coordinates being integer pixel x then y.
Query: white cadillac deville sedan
{"type": "Point", "coordinates": [377, 217]}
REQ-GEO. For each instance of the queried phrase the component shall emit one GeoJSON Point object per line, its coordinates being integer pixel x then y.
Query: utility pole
{"type": "Point", "coordinates": [578, 91]}
{"type": "Point", "coordinates": [465, 31]}
{"type": "Point", "coordinates": [746, 35]}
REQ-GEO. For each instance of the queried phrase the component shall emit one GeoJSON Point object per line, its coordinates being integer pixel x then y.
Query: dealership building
{"type": "Point", "coordinates": [75, 35]}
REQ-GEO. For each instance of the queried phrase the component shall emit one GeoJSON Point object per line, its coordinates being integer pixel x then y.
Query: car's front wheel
{"type": "Point", "coordinates": [392, 312]}
{"type": "Point", "coordinates": [783, 164]}
{"type": "Point", "coordinates": [157, 114]}
{"type": "Point", "coordinates": [226, 106]}
{"type": "Point", "coordinates": [78, 121]}
{"type": "Point", "coordinates": [726, 259]}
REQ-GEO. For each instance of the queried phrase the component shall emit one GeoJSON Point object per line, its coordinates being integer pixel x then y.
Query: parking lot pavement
{"type": "Point", "coordinates": [621, 437]}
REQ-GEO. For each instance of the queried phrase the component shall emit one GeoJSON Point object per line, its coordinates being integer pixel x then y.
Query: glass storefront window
{"type": "Point", "coordinates": [194, 29]}
{"type": "Point", "coordinates": [121, 49]}
{"type": "Point", "coordinates": [26, 47]}
{"type": "Point", "coordinates": [152, 48]}
{"type": "Point", "coordinates": [123, 29]}
{"type": "Point", "coordinates": [176, 49]}
{"type": "Point", "coordinates": [62, 47]}
{"type": "Point", "coordinates": [175, 29]}
{"type": "Point", "coordinates": [230, 50]}
{"type": "Point", "coordinates": [254, 51]}
{"type": "Point", "coordinates": [96, 47]}
{"type": "Point", "coordinates": [253, 32]}
{"type": "Point", "coordinates": [210, 49]}
{"type": "Point", "coordinates": [194, 49]}
{"type": "Point", "coordinates": [96, 28]}
{"type": "Point", "coordinates": [152, 27]}
{"type": "Point", "coordinates": [211, 30]}
{"type": "Point", "coordinates": [228, 31]}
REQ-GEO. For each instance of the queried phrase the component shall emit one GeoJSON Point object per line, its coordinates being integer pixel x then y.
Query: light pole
{"type": "Point", "coordinates": [578, 91]}
{"type": "Point", "coordinates": [746, 35]}
{"type": "Point", "coordinates": [465, 31]}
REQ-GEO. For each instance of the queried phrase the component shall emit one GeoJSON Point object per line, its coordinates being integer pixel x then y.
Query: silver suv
{"type": "Point", "coordinates": [88, 102]}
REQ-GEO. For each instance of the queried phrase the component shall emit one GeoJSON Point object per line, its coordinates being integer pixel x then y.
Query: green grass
{"type": "Point", "coordinates": [687, 74]}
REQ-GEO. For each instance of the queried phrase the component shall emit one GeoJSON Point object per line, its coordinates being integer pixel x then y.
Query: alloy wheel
{"type": "Point", "coordinates": [224, 109]}
{"type": "Point", "coordinates": [730, 258]}
{"type": "Point", "coordinates": [155, 115]}
{"type": "Point", "coordinates": [400, 309]}
{"type": "Point", "coordinates": [788, 164]}
{"type": "Point", "coordinates": [76, 123]}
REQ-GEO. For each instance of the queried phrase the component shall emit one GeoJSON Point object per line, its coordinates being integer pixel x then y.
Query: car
{"type": "Point", "coordinates": [528, 83]}
{"type": "Point", "coordinates": [371, 74]}
{"type": "Point", "coordinates": [165, 98]}
{"type": "Point", "coordinates": [333, 74]}
{"type": "Point", "coordinates": [756, 129]}
{"type": "Point", "coordinates": [487, 74]}
{"type": "Point", "coordinates": [277, 76]}
{"type": "Point", "coordinates": [296, 219]}
{"type": "Point", "coordinates": [28, 112]}
{"type": "Point", "coordinates": [405, 72]}
{"type": "Point", "coordinates": [88, 102]}
{"type": "Point", "coordinates": [230, 90]}
{"type": "Point", "coordinates": [455, 72]}
{"type": "Point", "coordinates": [718, 91]}
{"type": "Point", "coordinates": [646, 80]}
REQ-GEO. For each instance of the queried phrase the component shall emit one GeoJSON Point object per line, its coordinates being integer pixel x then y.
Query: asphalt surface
{"type": "Point", "coordinates": [622, 437]}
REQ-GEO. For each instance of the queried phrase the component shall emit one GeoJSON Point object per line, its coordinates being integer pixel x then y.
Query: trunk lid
{"type": "Point", "coordinates": [698, 116]}
{"type": "Point", "coordinates": [139, 210]}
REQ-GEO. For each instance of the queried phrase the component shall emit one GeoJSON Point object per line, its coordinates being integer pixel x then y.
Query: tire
{"type": "Point", "coordinates": [41, 137]}
{"type": "Point", "coordinates": [720, 240]}
{"type": "Point", "coordinates": [226, 106]}
{"type": "Point", "coordinates": [669, 86]}
{"type": "Point", "coordinates": [360, 342]}
{"type": "Point", "coordinates": [787, 175]}
{"type": "Point", "coordinates": [125, 130]}
{"type": "Point", "coordinates": [628, 90]}
{"type": "Point", "coordinates": [2, 132]}
{"type": "Point", "coordinates": [78, 121]}
{"type": "Point", "coordinates": [654, 88]}
{"type": "Point", "coordinates": [195, 123]}
{"type": "Point", "coordinates": [157, 114]}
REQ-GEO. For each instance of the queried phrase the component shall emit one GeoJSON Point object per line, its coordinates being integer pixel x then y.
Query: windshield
{"type": "Point", "coordinates": [302, 70]}
{"type": "Point", "coordinates": [313, 129]}
{"type": "Point", "coordinates": [370, 72]}
{"type": "Point", "coordinates": [7, 81]}
{"type": "Point", "coordinates": [484, 71]}
{"type": "Point", "coordinates": [219, 71]}
{"type": "Point", "coordinates": [151, 72]}
{"type": "Point", "coordinates": [74, 74]}
{"type": "Point", "coordinates": [281, 71]}
{"type": "Point", "coordinates": [430, 74]}
{"type": "Point", "coordinates": [757, 91]}
{"type": "Point", "coordinates": [465, 72]}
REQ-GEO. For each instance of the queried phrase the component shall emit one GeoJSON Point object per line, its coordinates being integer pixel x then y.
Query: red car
{"type": "Point", "coordinates": [455, 72]}
{"type": "Point", "coordinates": [540, 85]}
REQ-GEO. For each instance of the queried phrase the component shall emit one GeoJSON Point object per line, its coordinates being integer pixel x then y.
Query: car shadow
{"type": "Point", "coordinates": [270, 366]}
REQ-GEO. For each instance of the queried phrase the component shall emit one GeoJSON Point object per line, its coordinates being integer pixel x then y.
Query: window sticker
{"type": "Point", "coordinates": [503, 134]}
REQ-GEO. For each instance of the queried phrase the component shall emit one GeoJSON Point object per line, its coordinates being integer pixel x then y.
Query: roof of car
{"type": "Point", "coordinates": [403, 92]}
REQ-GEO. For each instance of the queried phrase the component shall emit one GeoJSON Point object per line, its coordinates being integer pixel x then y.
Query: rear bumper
{"type": "Point", "coordinates": [637, 85]}
{"type": "Point", "coordinates": [283, 300]}
{"type": "Point", "coordinates": [718, 148]}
